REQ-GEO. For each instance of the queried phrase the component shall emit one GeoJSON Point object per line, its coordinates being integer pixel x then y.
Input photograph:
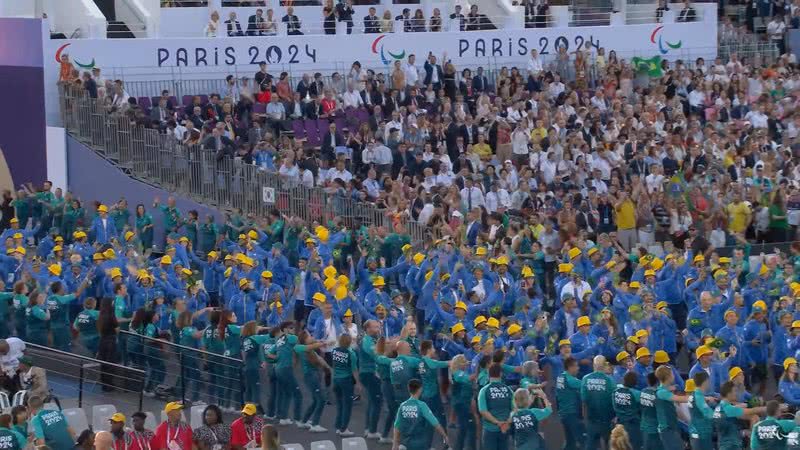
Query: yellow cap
{"type": "Point", "coordinates": [649, 273]}
{"type": "Point", "coordinates": [58, 239]}
{"type": "Point", "coordinates": [102, 208]}
{"type": "Point", "coordinates": [564, 342]}
{"type": "Point", "coordinates": [734, 372]}
{"type": "Point", "coordinates": [405, 247]}
{"type": "Point", "coordinates": [58, 248]}
{"type": "Point", "coordinates": [657, 264]}
{"type": "Point", "coordinates": [340, 293]}
{"type": "Point", "coordinates": [661, 305]}
{"type": "Point", "coordinates": [418, 258]}
{"type": "Point", "coordinates": [173, 406]}
{"type": "Point", "coordinates": [492, 260]}
{"type": "Point", "coordinates": [320, 297]}
{"type": "Point", "coordinates": [527, 272]}
{"type": "Point", "coordinates": [788, 362]}
{"type": "Point", "coordinates": [110, 254]}
{"type": "Point", "coordinates": [98, 257]}
{"type": "Point", "coordinates": [730, 312]}
{"type": "Point", "coordinates": [243, 282]}
{"type": "Point", "coordinates": [242, 236]}
{"type": "Point", "coordinates": [78, 235]}
{"type": "Point", "coordinates": [266, 274]}
{"type": "Point", "coordinates": [343, 280]}
{"type": "Point", "coordinates": [229, 258]}
{"type": "Point", "coordinates": [699, 258]}
{"type": "Point", "coordinates": [14, 220]}
{"type": "Point", "coordinates": [456, 328]}
{"type": "Point", "coordinates": [480, 251]}
{"type": "Point", "coordinates": [181, 239]}
{"type": "Point", "coordinates": [329, 271]}
{"type": "Point", "coordinates": [252, 234]}
{"type": "Point", "coordinates": [478, 320]}
{"type": "Point", "coordinates": [611, 264]}
{"type": "Point", "coordinates": [760, 304]}
{"type": "Point", "coordinates": [725, 260]}
{"type": "Point", "coordinates": [514, 328]}
{"type": "Point", "coordinates": [702, 351]}
{"type": "Point", "coordinates": [241, 257]}
{"type": "Point", "coordinates": [461, 305]}
{"type": "Point", "coordinates": [689, 386]}
{"type": "Point", "coordinates": [565, 268]}
{"type": "Point", "coordinates": [574, 252]}
{"type": "Point", "coordinates": [379, 281]}
{"type": "Point", "coordinates": [329, 283]}
{"type": "Point", "coordinates": [642, 353]}
{"type": "Point", "coordinates": [228, 272]}
{"type": "Point", "coordinates": [212, 254]}
{"type": "Point", "coordinates": [380, 307]}
{"type": "Point", "coordinates": [166, 259]}
{"type": "Point", "coordinates": [249, 409]}
{"type": "Point", "coordinates": [633, 339]}
{"type": "Point", "coordinates": [10, 250]}
{"type": "Point", "coordinates": [592, 251]}
{"type": "Point", "coordinates": [17, 236]}
{"type": "Point", "coordinates": [763, 270]}
{"type": "Point", "coordinates": [502, 261]}
{"type": "Point", "coordinates": [55, 269]}
{"type": "Point", "coordinates": [622, 356]}
{"type": "Point", "coordinates": [348, 313]}
{"type": "Point", "coordinates": [323, 234]}
{"type": "Point", "coordinates": [493, 323]}
{"type": "Point", "coordinates": [115, 272]}
{"type": "Point", "coordinates": [661, 357]}
{"type": "Point", "coordinates": [118, 417]}
{"type": "Point", "coordinates": [475, 339]}
{"type": "Point", "coordinates": [186, 271]}
{"type": "Point", "coordinates": [309, 240]}
{"type": "Point", "coordinates": [796, 324]}
{"type": "Point", "coordinates": [634, 285]}
{"type": "Point", "coordinates": [642, 333]}
{"type": "Point", "coordinates": [584, 321]}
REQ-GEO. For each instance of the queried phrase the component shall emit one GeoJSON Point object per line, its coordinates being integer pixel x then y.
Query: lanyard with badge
{"type": "Point", "coordinates": [250, 431]}
{"type": "Point", "coordinates": [141, 440]}
{"type": "Point", "coordinates": [217, 445]}
{"type": "Point", "coordinates": [172, 442]}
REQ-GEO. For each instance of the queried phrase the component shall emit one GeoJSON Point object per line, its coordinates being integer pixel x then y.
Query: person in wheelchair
{"type": "Point", "coordinates": [33, 380]}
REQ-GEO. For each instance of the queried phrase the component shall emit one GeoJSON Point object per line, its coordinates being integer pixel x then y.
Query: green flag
{"type": "Point", "coordinates": [652, 66]}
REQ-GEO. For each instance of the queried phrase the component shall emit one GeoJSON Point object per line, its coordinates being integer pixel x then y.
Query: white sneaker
{"type": "Point", "coordinates": [346, 433]}
{"type": "Point", "coordinates": [303, 425]}
{"type": "Point", "coordinates": [285, 422]}
{"type": "Point", "coordinates": [148, 394]}
{"type": "Point", "coordinates": [317, 429]}
{"type": "Point", "coordinates": [384, 440]}
{"type": "Point", "coordinates": [373, 436]}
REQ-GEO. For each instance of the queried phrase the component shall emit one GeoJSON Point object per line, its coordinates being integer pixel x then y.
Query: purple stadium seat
{"type": "Point", "coordinates": [154, 100]}
{"type": "Point", "coordinates": [312, 134]}
{"type": "Point", "coordinates": [144, 102]}
{"type": "Point", "coordinates": [186, 100]}
{"type": "Point", "coordinates": [322, 126]}
{"type": "Point", "coordinates": [341, 124]}
{"type": "Point", "coordinates": [259, 108]}
{"type": "Point", "coordinates": [173, 101]}
{"type": "Point", "coordinates": [362, 115]}
{"type": "Point", "coordinates": [299, 129]}
{"type": "Point", "coordinates": [204, 99]}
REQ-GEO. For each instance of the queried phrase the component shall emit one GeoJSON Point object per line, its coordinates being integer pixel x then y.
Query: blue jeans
{"type": "Point", "coordinates": [372, 387]}
{"type": "Point", "coordinates": [314, 410]}
{"type": "Point", "coordinates": [343, 389]}
{"type": "Point", "coordinates": [494, 440]}
{"type": "Point", "coordinates": [289, 391]}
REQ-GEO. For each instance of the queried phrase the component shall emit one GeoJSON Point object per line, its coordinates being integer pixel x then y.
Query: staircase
{"type": "Point", "coordinates": [118, 30]}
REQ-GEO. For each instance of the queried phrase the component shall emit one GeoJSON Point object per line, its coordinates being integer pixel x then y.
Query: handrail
{"type": "Point", "coordinates": [83, 357]}
{"type": "Point", "coordinates": [181, 347]}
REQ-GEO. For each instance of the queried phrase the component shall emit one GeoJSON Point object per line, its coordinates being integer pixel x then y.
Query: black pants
{"type": "Point", "coordinates": [107, 351]}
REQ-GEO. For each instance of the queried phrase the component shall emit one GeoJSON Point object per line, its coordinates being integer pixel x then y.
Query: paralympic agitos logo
{"type": "Point", "coordinates": [377, 49]}
{"type": "Point", "coordinates": [661, 41]}
{"type": "Point", "coordinates": [77, 63]}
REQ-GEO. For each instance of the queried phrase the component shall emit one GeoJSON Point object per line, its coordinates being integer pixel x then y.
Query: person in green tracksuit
{"type": "Point", "coordinates": [525, 419]}
{"type": "Point", "coordinates": [156, 371]}
{"type": "Point", "coordinates": [37, 318]}
{"type": "Point", "coordinates": [49, 427]}
{"type": "Point", "coordinates": [728, 420]}
{"type": "Point", "coordinates": [144, 227]}
{"type": "Point", "coordinates": [230, 333]}
{"type": "Point", "coordinates": [252, 355]}
{"type": "Point", "coordinates": [666, 412]}
{"type": "Point", "coordinates": [462, 392]}
{"type": "Point", "coordinates": [597, 389]}
{"type": "Point", "coordinates": [5, 308]}
{"type": "Point", "coordinates": [627, 407]}
{"type": "Point", "coordinates": [213, 343]}
{"type": "Point", "coordinates": [429, 372]}
{"type": "Point", "coordinates": [345, 373]}
{"type": "Point", "coordinates": [20, 302]}
{"type": "Point", "coordinates": [792, 438]}
{"type": "Point", "coordinates": [289, 391]}
{"type": "Point", "coordinates": [86, 324]}
{"type": "Point", "coordinates": [495, 403]}
{"type": "Point", "coordinates": [402, 369]}
{"type": "Point", "coordinates": [368, 378]}
{"type": "Point", "coordinates": [568, 401]}
{"type": "Point", "coordinates": [384, 355]}
{"type": "Point", "coordinates": [272, 378]}
{"type": "Point", "coordinates": [311, 363]}
{"type": "Point", "coordinates": [413, 420]}
{"type": "Point", "coordinates": [10, 439]}
{"type": "Point", "coordinates": [58, 306]}
{"type": "Point", "coordinates": [189, 336]}
{"type": "Point", "coordinates": [701, 426]}
{"type": "Point", "coordinates": [647, 401]}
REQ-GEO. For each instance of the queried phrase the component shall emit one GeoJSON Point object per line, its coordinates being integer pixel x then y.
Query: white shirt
{"type": "Point", "coordinates": [10, 361]}
{"type": "Point", "coordinates": [344, 175]}
{"type": "Point", "coordinates": [655, 183]}
{"type": "Point", "coordinates": [757, 119]}
{"type": "Point", "coordinates": [383, 155]}
{"type": "Point", "coordinates": [535, 65]}
{"type": "Point", "coordinates": [775, 29]}
{"type": "Point", "coordinates": [308, 179]}
{"type": "Point", "coordinates": [473, 193]}
{"type": "Point", "coordinates": [496, 200]}
{"type": "Point", "coordinates": [411, 73]}
{"type": "Point", "coordinates": [697, 97]}
{"type": "Point", "coordinates": [425, 214]}
{"type": "Point", "coordinates": [581, 287]}
{"type": "Point", "coordinates": [352, 99]}
{"type": "Point", "coordinates": [389, 126]}
{"type": "Point", "coordinates": [330, 337]}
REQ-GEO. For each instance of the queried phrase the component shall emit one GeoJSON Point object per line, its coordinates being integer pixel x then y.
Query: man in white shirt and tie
{"type": "Point", "coordinates": [535, 65]}
{"type": "Point", "coordinates": [410, 71]}
{"type": "Point", "coordinates": [471, 196]}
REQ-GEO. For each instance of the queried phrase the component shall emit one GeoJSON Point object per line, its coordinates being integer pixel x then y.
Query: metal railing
{"type": "Point", "coordinates": [195, 172]}
{"type": "Point", "coordinates": [80, 376]}
{"type": "Point", "coordinates": [192, 374]}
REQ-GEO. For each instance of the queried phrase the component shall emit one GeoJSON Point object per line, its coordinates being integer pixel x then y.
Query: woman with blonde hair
{"type": "Point", "coordinates": [525, 418]}
{"type": "Point", "coordinates": [619, 439]}
{"type": "Point", "coordinates": [269, 438]}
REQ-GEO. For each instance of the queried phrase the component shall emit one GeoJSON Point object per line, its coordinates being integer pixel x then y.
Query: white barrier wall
{"type": "Point", "coordinates": [57, 157]}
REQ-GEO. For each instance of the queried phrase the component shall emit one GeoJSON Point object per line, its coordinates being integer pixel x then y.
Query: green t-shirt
{"type": "Point", "coordinates": [344, 363]}
{"type": "Point", "coordinates": [726, 422]}
{"type": "Point", "coordinates": [36, 318]}
{"type": "Point", "coordinates": [187, 339]}
{"type": "Point", "coordinates": [57, 305]}
{"type": "Point", "coordinates": [626, 405]}
{"type": "Point", "coordinates": [665, 410]}
{"type": "Point", "coordinates": [526, 428]}
{"type": "Point", "coordinates": [9, 440]}
{"type": "Point", "coordinates": [86, 323]}
{"type": "Point", "coordinates": [792, 439]}
{"type": "Point", "coordinates": [414, 420]}
{"type": "Point", "coordinates": [568, 395]}
{"type": "Point", "coordinates": [52, 427]}
{"type": "Point", "coordinates": [782, 224]}
{"type": "Point", "coordinates": [212, 341]}
{"type": "Point", "coordinates": [284, 350]}
{"type": "Point", "coordinates": [402, 370]}
{"type": "Point", "coordinates": [366, 354]}
{"type": "Point", "coordinates": [305, 362]}
{"type": "Point", "coordinates": [596, 391]}
{"type": "Point", "coordinates": [462, 389]}
{"type": "Point", "coordinates": [429, 371]}
{"type": "Point", "coordinates": [120, 307]}
{"type": "Point", "coordinates": [498, 400]}
{"type": "Point", "coordinates": [774, 434]}
{"type": "Point", "coordinates": [701, 416]}
{"type": "Point", "coordinates": [251, 350]}
{"type": "Point", "coordinates": [647, 400]}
